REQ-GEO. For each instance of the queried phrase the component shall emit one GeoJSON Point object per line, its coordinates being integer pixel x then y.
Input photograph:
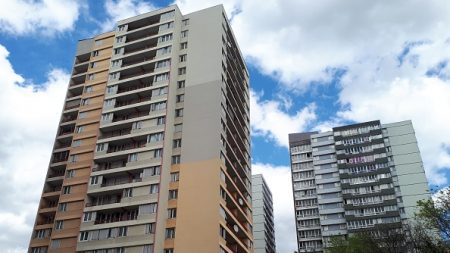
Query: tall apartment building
{"type": "Point", "coordinates": [153, 151]}
{"type": "Point", "coordinates": [263, 224]}
{"type": "Point", "coordinates": [354, 178]}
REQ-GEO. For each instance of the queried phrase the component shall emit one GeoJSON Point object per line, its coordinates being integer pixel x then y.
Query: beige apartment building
{"type": "Point", "coordinates": [153, 148]}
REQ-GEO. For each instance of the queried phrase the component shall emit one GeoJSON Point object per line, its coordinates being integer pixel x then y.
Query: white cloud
{"type": "Point", "coordinates": [269, 119]}
{"type": "Point", "coordinates": [123, 9]}
{"type": "Point", "coordinates": [47, 17]}
{"type": "Point", "coordinates": [278, 179]}
{"type": "Point", "coordinates": [399, 92]}
{"type": "Point", "coordinates": [29, 114]}
{"type": "Point", "coordinates": [385, 47]}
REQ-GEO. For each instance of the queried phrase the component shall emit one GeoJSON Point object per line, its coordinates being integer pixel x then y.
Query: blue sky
{"type": "Point", "coordinates": [312, 66]}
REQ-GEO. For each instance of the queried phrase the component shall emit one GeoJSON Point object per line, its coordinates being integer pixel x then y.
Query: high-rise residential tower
{"type": "Point", "coordinates": [153, 150]}
{"type": "Point", "coordinates": [263, 224]}
{"type": "Point", "coordinates": [354, 178]}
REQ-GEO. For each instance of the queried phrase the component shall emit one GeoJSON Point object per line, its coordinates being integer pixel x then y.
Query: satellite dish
{"type": "Point", "coordinates": [236, 228]}
{"type": "Point", "coordinates": [241, 202]}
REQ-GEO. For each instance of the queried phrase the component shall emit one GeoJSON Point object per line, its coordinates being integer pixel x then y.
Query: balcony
{"type": "Point", "coordinates": [126, 214]}
{"type": "Point", "coordinates": [120, 180]}
{"type": "Point", "coordinates": [126, 146]}
{"type": "Point", "coordinates": [143, 23]}
{"type": "Point", "coordinates": [110, 165]}
{"type": "Point", "coordinates": [143, 44]}
{"type": "Point", "coordinates": [104, 200]}
{"type": "Point", "coordinates": [60, 157]}
{"type": "Point", "coordinates": [137, 71]}
{"type": "Point", "coordinates": [149, 31]}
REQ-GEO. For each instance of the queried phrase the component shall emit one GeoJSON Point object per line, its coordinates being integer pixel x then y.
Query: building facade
{"type": "Point", "coordinates": [354, 178]}
{"type": "Point", "coordinates": [153, 148]}
{"type": "Point", "coordinates": [263, 223]}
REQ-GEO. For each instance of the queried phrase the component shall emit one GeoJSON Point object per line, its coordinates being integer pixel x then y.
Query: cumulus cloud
{"type": "Point", "coordinates": [268, 118]}
{"type": "Point", "coordinates": [278, 179]}
{"type": "Point", "coordinates": [410, 88]}
{"type": "Point", "coordinates": [44, 17]}
{"type": "Point", "coordinates": [121, 9]}
{"type": "Point", "coordinates": [394, 56]}
{"type": "Point", "coordinates": [29, 114]}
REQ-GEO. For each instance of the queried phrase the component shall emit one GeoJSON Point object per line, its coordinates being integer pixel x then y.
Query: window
{"type": "Point", "coordinates": [171, 213]}
{"type": "Point", "coordinates": [123, 231]}
{"type": "Point", "coordinates": [176, 159]}
{"type": "Point", "coordinates": [85, 101]}
{"type": "Point", "coordinates": [155, 137]}
{"type": "Point", "coordinates": [157, 153]}
{"type": "Point", "coordinates": [183, 58]}
{"type": "Point", "coordinates": [55, 244]}
{"type": "Point", "coordinates": [178, 128]}
{"type": "Point", "coordinates": [154, 188]}
{"type": "Point", "coordinates": [95, 53]}
{"type": "Point", "coordinates": [162, 64]}
{"type": "Point", "coordinates": [152, 171]}
{"type": "Point", "coordinates": [107, 116]}
{"type": "Point", "coordinates": [91, 76]}
{"type": "Point", "coordinates": [150, 228]}
{"type": "Point", "coordinates": [88, 89]}
{"type": "Point", "coordinates": [136, 125]}
{"type": "Point", "coordinates": [184, 34]}
{"type": "Point", "coordinates": [165, 26]}
{"type": "Point", "coordinates": [128, 192]}
{"type": "Point", "coordinates": [180, 98]}
{"type": "Point", "coordinates": [70, 173]}
{"type": "Point", "coordinates": [98, 42]}
{"type": "Point", "coordinates": [82, 115]}
{"type": "Point", "coordinates": [118, 51]}
{"type": "Point", "coordinates": [173, 194]}
{"type": "Point", "coordinates": [160, 121]}
{"type": "Point", "coordinates": [79, 129]}
{"type": "Point", "coordinates": [158, 106]}
{"type": "Point", "coordinates": [62, 207]}
{"type": "Point", "coordinates": [181, 84]}
{"type": "Point", "coordinates": [93, 64]}
{"type": "Point", "coordinates": [113, 76]}
{"type": "Point", "coordinates": [76, 143]}
{"type": "Point", "coordinates": [73, 158]}
{"type": "Point", "coordinates": [111, 89]}
{"type": "Point", "coordinates": [59, 224]}
{"type": "Point", "coordinates": [121, 28]}
{"type": "Point", "coordinates": [94, 180]}
{"type": "Point", "coordinates": [223, 232]}
{"type": "Point", "coordinates": [185, 22]}
{"type": "Point", "coordinates": [170, 233]}
{"type": "Point", "coordinates": [165, 38]}
{"type": "Point", "coordinates": [179, 112]}
{"type": "Point", "coordinates": [174, 177]}
{"type": "Point", "coordinates": [182, 71]}
{"type": "Point", "coordinates": [164, 50]}
{"type": "Point", "coordinates": [176, 143]}
{"type": "Point", "coordinates": [66, 189]}
{"type": "Point", "coordinates": [148, 248]}
{"type": "Point", "coordinates": [84, 235]}
{"type": "Point", "coordinates": [89, 216]}
{"type": "Point", "coordinates": [168, 251]}
{"type": "Point", "coordinates": [109, 102]}
{"type": "Point", "coordinates": [115, 63]}
{"type": "Point", "coordinates": [183, 45]}
{"type": "Point", "coordinates": [120, 39]}
{"type": "Point", "coordinates": [148, 209]}
{"type": "Point", "coordinates": [162, 77]}
{"type": "Point", "coordinates": [100, 147]}
{"type": "Point", "coordinates": [132, 157]}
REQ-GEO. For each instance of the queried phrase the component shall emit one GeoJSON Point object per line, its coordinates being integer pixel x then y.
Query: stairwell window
{"type": "Point", "coordinates": [66, 189]}
{"type": "Point", "coordinates": [154, 188]}
{"type": "Point", "coordinates": [176, 159]}
{"type": "Point", "coordinates": [59, 224]}
{"type": "Point", "coordinates": [183, 45]}
{"type": "Point", "coordinates": [184, 34]}
{"type": "Point", "coordinates": [170, 233]}
{"type": "Point", "coordinates": [173, 194]}
{"type": "Point", "coordinates": [183, 58]}
{"type": "Point", "coordinates": [182, 71]}
{"type": "Point", "coordinates": [179, 112]}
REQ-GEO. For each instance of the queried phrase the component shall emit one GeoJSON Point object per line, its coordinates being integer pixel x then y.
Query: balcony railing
{"type": "Point", "coordinates": [119, 181]}
{"type": "Point", "coordinates": [116, 217]}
